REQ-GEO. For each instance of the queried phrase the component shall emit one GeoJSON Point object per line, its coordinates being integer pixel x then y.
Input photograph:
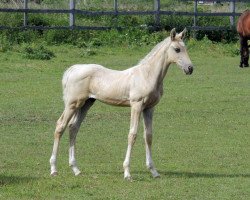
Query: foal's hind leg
{"type": "Point", "coordinates": [74, 126]}
{"type": "Point", "coordinates": [60, 128]}
{"type": "Point", "coordinates": [148, 136]}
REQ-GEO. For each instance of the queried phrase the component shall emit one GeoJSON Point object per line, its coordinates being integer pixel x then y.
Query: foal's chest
{"type": "Point", "coordinates": [153, 97]}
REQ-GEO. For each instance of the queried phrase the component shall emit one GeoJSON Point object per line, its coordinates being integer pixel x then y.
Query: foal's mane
{"type": "Point", "coordinates": [155, 50]}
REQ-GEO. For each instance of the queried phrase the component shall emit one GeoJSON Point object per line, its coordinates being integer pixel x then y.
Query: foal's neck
{"type": "Point", "coordinates": [156, 68]}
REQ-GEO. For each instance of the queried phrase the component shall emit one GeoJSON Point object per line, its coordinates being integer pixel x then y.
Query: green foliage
{"type": "Point", "coordinates": [11, 19]}
{"type": "Point", "coordinates": [57, 36]}
{"type": "Point", "coordinates": [216, 35]}
{"type": "Point", "coordinates": [5, 44]}
{"type": "Point", "coordinates": [37, 52]}
{"type": "Point", "coordinates": [130, 36]}
{"type": "Point", "coordinates": [137, 29]}
{"type": "Point", "coordinates": [19, 37]}
{"type": "Point", "coordinates": [39, 20]}
{"type": "Point", "coordinates": [214, 48]}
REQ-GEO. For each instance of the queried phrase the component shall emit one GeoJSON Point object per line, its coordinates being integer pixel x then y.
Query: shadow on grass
{"type": "Point", "coordinates": [173, 174]}
{"type": "Point", "coordinates": [12, 180]}
{"type": "Point", "coordinates": [202, 175]}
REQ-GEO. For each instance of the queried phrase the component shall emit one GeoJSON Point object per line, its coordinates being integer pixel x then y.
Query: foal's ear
{"type": "Point", "coordinates": [182, 34]}
{"type": "Point", "coordinates": [173, 34]}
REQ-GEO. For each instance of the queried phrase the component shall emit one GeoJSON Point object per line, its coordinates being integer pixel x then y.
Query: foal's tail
{"type": "Point", "coordinates": [74, 76]}
{"type": "Point", "coordinates": [65, 83]}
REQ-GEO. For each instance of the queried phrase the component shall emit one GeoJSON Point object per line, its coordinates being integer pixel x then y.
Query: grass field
{"type": "Point", "coordinates": [201, 131]}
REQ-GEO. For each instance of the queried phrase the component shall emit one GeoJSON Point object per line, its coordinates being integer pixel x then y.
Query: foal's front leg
{"type": "Point", "coordinates": [136, 109]}
{"type": "Point", "coordinates": [148, 136]}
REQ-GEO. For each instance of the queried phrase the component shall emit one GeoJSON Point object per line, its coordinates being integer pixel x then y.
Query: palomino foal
{"type": "Point", "coordinates": [139, 87]}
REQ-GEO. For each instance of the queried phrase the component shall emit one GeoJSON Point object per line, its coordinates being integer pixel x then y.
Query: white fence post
{"type": "Point", "coordinates": [25, 16]}
{"type": "Point", "coordinates": [72, 14]}
{"type": "Point", "coordinates": [232, 10]}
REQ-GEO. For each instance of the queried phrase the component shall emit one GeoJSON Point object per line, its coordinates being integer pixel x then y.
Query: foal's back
{"type": "Point", "coordinates": [95, 81]}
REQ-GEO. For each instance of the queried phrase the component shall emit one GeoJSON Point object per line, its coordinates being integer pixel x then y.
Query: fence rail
{"type": "Point", "coordinates": [157, 13]}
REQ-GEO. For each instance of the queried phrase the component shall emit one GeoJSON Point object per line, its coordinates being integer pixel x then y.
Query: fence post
{"type": "Point", "coordinates": [232, 10]}
{"type": "Point", "coordinates": [116, 13]}
{"type": "Point", "coordinates": [25, 16]}
{"type": "Point", "coordinates": [72, 14]}
{"type": "Point", "coordinates": [195, 17]}
{"type": "Point", "coordinates": [116, 6]}
{"type": "Point", "coordinates": [157, 8]}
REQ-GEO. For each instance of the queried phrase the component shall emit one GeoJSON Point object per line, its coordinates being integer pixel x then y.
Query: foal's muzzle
{"type": "Point", "coordinates": [189, 70]}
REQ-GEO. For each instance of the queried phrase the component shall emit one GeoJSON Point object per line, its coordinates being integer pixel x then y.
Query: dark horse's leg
{"type": "Point", "coordinates": [244, 52]}
{"type": "Point", "coordinates": [246, 56]}
{"type": "Point", "coordinates": [247, 52]}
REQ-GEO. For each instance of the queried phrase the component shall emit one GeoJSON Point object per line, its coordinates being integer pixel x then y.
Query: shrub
{"type": "Point", "coordinates": [57, 36]}
{"type": "Point", "coordinates": [213, 48]}
{"type": "Point", "coordinates": [37, 52]}
{"type": "Point", "coordinates": [5, 45]}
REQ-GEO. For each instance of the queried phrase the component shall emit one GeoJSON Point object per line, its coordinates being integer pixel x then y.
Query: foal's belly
{"type": "Point", "coordinates": [112, 94]}
{"type": "Point", "coordinates": [115, 102]}
{"type": "Point", "coordinates": [111, 87]}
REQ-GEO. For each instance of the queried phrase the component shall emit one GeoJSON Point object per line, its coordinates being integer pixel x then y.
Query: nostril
{"type": "Point", "coordinates": [190, 69]}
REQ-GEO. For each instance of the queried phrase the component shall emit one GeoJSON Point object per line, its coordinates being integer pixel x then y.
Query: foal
{"type": "Point", "coordinates": [139, 87]}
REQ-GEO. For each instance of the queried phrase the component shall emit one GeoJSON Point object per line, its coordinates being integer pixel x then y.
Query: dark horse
{"type": "Point", "coordinates": [243, 28]}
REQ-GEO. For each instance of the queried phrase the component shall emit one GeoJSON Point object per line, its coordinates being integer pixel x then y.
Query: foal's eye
{"type": "Point", "coordinates": [177, 50]}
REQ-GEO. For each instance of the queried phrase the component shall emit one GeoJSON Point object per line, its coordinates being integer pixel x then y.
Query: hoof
{"type": "Point", "coordinates": [127, 175]}
{"type": "Point", "coordinates": [75, 170]}
{"type": "Point", "coordinates": [54, 173]}
{"type": "Point", "coordinates": [128, 178]}
{"type": "Point", "coordinates": [157, 176]}
{"type": "Point", "coordinates": [77, 173]}
{"type": "Point", "coordinates": [154, 173]}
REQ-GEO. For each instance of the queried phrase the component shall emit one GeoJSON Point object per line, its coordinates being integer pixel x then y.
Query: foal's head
{"type": "Point", "coordinates": [177, 52]}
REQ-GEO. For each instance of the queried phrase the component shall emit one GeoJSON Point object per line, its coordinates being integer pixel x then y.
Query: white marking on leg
{"type": "Point", "coordinates": [72, 161]}
{"type": "Point", "coordinates": [53, 165]}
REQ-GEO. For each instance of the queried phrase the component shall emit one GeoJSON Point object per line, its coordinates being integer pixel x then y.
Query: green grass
{"type": "Point", "coordinates": [201, 131]}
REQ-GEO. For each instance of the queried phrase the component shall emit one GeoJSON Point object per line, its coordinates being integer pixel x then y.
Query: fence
{"type": "Point", "coordinates": [157, 12]}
